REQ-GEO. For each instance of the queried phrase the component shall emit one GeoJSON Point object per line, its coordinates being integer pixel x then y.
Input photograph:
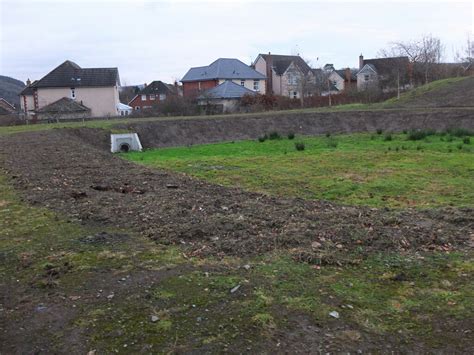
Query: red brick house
{"type": "Point", "coordinates": [152, 95]}
{"type": "Point", "coordinates": [200, 79]}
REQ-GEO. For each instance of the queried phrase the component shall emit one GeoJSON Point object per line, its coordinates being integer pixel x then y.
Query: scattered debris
{"type": "Point", "coordinates": [334, 314]}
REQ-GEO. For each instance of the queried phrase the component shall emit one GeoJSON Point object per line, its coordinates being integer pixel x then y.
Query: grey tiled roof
{"type": "Point", "coordinates": [385, 65]}
{"type": "Point", "coordinates": [222, 68]}
{"type": "Point", "coordinates": [342, 73]}
{"type": "Point", "coordinates": [157, 87]}
{"type": "Point", "coordinates": [226, 90]}
{"type": "Point", "coordinates": [280, 63]}
{"type": "Point", "coordinates": [69, 74]}
{"type": "Point", "coordinates": [64, 105]}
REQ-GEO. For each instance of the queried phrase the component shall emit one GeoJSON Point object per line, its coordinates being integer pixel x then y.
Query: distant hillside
{"type": "Point", "coordinates": [452, 92]}
{"type": "Point", "coordinates": [10, 88]}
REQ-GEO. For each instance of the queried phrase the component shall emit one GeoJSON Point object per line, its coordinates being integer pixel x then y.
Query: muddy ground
{"type": "Point", "coordinates": [58, 170]}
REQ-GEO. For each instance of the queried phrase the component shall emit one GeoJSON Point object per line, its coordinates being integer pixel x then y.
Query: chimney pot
{"type": "Point", "coordinates": [361, 61]}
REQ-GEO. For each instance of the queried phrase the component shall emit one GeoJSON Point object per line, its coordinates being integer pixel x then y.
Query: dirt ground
{"type": "Point", "coordinates": [91, 185]}
{"type": "Point", "coordinates": [59, 170]}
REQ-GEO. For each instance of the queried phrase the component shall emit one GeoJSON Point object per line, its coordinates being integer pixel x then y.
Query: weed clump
{"type": "Point", "coordinates": [332, 143]}
{"type": "Point", "coordinates": [274, 135]}
{"type": "Point", "coordinates": [291, 135]}
{"type": "Point", "coordinates": [417, 135]}
{"type": "Point", "coordinates": [299, 146]}
{"type": "Point", "coordinates": [328, 135]}
{"type": "Point", "coordinates": [459, 132]}
{"type": "Point", "coordinates": [459, 146]}
{"type": "Point", "coordinates": [388, 137]}
{"type": "Point", "coordinates": [262, 138]}
{"type": "Point", "coordinates": [466, 140]}
{"type": "Point", "coordinates": [379, 131]}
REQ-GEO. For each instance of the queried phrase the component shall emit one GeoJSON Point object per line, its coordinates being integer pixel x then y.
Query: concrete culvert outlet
{"type": "Point", "coordinates": [125, 142]}
{"type": "Point", "coordinates": [124, 147]}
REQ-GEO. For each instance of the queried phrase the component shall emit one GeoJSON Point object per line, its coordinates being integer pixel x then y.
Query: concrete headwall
{"type": "Point", "coordinates": [179, 132]}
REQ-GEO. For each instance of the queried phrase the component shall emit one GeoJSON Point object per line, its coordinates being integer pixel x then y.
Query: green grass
{"type": "Point", "coordinates": [422, 90]}
{"type": "Point", "coordinates": [360, 169]}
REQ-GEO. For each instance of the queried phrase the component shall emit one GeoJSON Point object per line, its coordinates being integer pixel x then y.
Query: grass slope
{"type": "Point", "coordinates": [451, 92]}
{"type": "Point", "coordinates": [362, 169]}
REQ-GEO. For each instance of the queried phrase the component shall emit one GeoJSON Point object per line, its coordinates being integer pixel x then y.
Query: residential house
{"type": "Point", "coordinates": [387, 74]}
{"type": "Point", "coordinates": [199, 79]}
{"type": "Point", "coordinates": [6, 108]}
{"type": "Point", "coordinates": [287, 75]}
{"type": "Point", "coordinates": [153, 94]}
{"type": "Point", "coordinates": [93, 88]}
{"type": "Point", "coordinates": [224, 97]}
{"type": "Point", "coordinates": [63, 109]}
{"type": "Point", "coordinates": [337, 80]}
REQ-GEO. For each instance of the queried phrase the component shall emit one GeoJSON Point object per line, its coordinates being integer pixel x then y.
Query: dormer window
{"type": "Point", "coordinates": [242, 82]}
{"type": "Point", "coordinates": [73, 93]}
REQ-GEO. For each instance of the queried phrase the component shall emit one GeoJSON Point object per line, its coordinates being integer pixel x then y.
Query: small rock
{"type": "Point", "coordinates": [235, 289]}
{"type": "Point", "coordinates": [316, 245]}
{"type": "Point", "coordinates": [154, 319]}
{"type": "Point", "coordinates": [92, 352]}
{"type": "Point", "coordinates": [446, 283]}
{"type": "Point", "coordinates": [246, 267]}
{"type": "Point", "coordinates": [353, 335]}
{"type": "Point", "coordinates": [334, 314]}
{"type": "Point", "coordinates": [109, 297]}
{"type": "Point", "coordinates": [339, 246]}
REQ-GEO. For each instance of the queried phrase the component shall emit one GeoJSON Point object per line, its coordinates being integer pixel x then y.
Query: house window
{"type": "Point", "coordinates": [73, 93]}
{"type": "Point", "coordinates": [143, 97]}
{"type": "Point", "coordinates": [295, 95]}
{"type": "Point", "coordinates": [152, 97]}
{"type": "Point", "coordinates": [256, 85]}
{"type": "Point", "coordinates": [366, 77]}
{"type": "Point", "coordinates": [122, 113]}
{"type": "Point", "coordinates": [162, 97]}
{"type": "Point", "coordinates": [137, 108]}
{"type": "Point", "coordinates": [199, 85]}
{"type": "Point", "coordinates": [242, 82]}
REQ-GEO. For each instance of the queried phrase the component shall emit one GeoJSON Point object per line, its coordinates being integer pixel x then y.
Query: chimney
{"type": "Point", "coordinates": [269, 84]}
{"type": "Point", "coordinates": [348, 75]}
{"type": "Point", "coordinates": [28, 82]}
{"type": "Point", "coordinates": [361, 61]}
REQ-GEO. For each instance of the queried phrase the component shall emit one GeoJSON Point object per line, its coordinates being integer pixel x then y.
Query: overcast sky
{"type": "Point", "coordinates": [160, 40]}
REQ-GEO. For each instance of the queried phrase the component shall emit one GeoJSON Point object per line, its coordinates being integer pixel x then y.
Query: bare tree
{"type": "Point", "coordinates": [424, 53]}
{"type": "Point", "coordinates": [466, 55]}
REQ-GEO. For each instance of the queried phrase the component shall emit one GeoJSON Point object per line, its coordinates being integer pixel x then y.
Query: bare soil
{"type": "Point", "coordinates": [61, 171]}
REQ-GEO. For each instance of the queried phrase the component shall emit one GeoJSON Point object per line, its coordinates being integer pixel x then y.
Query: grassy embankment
{"type": "Point", "coordinates": [363, 169]}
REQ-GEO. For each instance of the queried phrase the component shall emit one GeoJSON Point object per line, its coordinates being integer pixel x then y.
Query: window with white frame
{"type": "Point", "coordinates": [152, 96]}
{"type": "Point", "coordinates": [73, 93]}
{"type": "Point", "coordinates": [242, 82]}
{"type": "Point", "coordinates": [143, 97]}
{"type": "Point", "coordinates": [295, 95]}
{"type": "Point", "coordinates": [162, 97]}
{"type": "Point", "coordinates": [137, 108]}
{"type": "Point", "coordinates": [256, 85]}
{"type": "Point", "coordinates": [366, 77]}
